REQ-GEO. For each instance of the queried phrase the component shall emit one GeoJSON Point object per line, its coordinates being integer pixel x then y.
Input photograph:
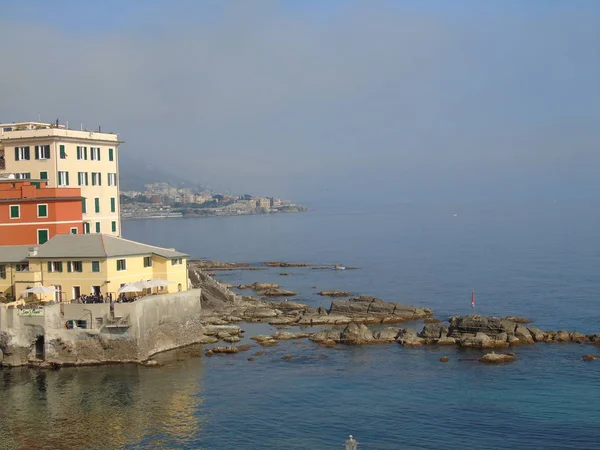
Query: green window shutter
{"type": "Point", "coordinates": [14, 212]}
{"type": "Point", "coordinates": [16, 153]}
{"type": "Point", "coordinates": [69, 268]}
{"type": "Point", "coordinates": [27, 155]}
{"type": "Point", "coordinates": [110, 154]}
{"type": "Point", "coordinates": [42, 210]}
{"type": "Point", "coordinates": [118, 264]}
{"type": "Point", "coordinates": [98, 153]}
{"type": "Point", "coordinates": [36, 184]}
{"type": "Point", "coordinates": [43, 175]}
{"type": "Point", "coordinates": [83, 206]}
{"type": "Point", "coordinates": [99, 178]}
{"type": "Point", "coordinates": [97, 227]}
{"type": "Point", "coordinates": [60, 266]}
{"type": "Point", "coordinates": [67, 178]}
{"type": "Point", "coordinates": [85, 153]}
{"type": "Point", "coordinates": [37, 152]}
{"type": "Point", "coordinates": [113, 206]}
{"type": "Point", "coordinates": [95, 266]}
{"type": "Point", "coordinates": [49, 266]}
{"type": "Point", "coordinates": [113, 225]}
{"type": "Point", "coordinates": [63, 153]}
{"type": "Point", "coordinates": [73, 230]}
{"type": "Point", "coordinates": [97, 204]}
{"type": "Point", "coordinates": [87, 180]}
{"type": "Point", "coordinates": [42, 236]}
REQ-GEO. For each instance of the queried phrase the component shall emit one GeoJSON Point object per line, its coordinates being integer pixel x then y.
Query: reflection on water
{"type": "Point", "coordinates": [101, 407]}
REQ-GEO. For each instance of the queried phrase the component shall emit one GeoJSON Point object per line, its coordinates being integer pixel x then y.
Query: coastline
{"type": "Point", "coordinates": [208, 212]}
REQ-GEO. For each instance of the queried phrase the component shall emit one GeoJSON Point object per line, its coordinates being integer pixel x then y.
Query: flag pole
{"type": "Point", "coordinates": [473, 301]}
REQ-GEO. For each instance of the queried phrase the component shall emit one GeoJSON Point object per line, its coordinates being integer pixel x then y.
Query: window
{"type": "Point", "coordinates": [176, 261]}
{"type": "Point", "coordinates": [95, 153]}
{"type": "Point", "coordinates": [42, 236]}
{"type": "Point", "coordinates": [22, 267]}
{"type": "Point", "coordinates": [21, 153]}
{"type": "Point", "coordinates": [83, 206]}
{"type": "Point", "coordinates": [15, 211]}
{"type": "Point", "coordinates": [55, 266]}
{"type": "Point", "coordinates": [147, 261]}
{"type": "Point", "coordinates": [82, 178]}
{"type": "Point", "coordinates": [121, 264]}
{"type": "Point", "coordinates": [113, 226]}
{"type": "Point", "coordinates": [112, 179]}
{"type": "Point", "coordinates": [81, 152]}
{"type": "Point", "coordinates": [42, 210]}
{"type": "Point", "coordinates": [74, 230]}
{"type": "Point", "coordinates": [96, 266]}
{"type": "Point", "coordinates": [111, 156]}
{"type": "Point", "coordinates": [3, 272]}
{"type": "Point", "coordinates": [97, 227]}
{"type": "Point", "coordinates": [97, 204]}
{"type": "Point", "coordinates": [23, 176]}
{"type": "Point", "coordinates": [43, 175]}
{"type": "Point", "coordinates": [96, 179]}
{"type": "Point", "coordinates": [86, 228]}
{"type": "Point", "coordinates": [63, 153]}
{"type": "Point", "coordinates": [113, 204]}
{"type": "Point", "coordinates": [42, 152]}
{"type": "Point", "coordinates": [63, 178]}
{"type": "Point", "coordinates": [75, 266]}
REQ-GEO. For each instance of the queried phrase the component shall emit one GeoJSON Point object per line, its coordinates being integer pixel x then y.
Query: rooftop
{"type": "Point", "coordinates": [28, 130]}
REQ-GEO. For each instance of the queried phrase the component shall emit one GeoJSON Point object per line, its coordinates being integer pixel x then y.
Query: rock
{"type": "Point", "coordinates": [152, 363]}
{"type": "Point", "coordinates": [251, 359]}
{"type": "Point", "coordinates": [370, 306]}
{"type": "Point", "coordinates": [538, 335]}
{"type": "Point", "coordinates": [287, 357]}
{"type": "Point", "coordinates": [224, 350]}
{"type": "Point", "coordinates": [444, 359]}
{"type": "Point", "coordinates": [327, 343]}
{"type": "Point", "coordinates": [287, 306]}
{"type": "Point", "coordinates": [208, 353]}
{"type": "Point", "coordinates": [356, 334]}
{"type": "Point", "coordinates": [578, 337]}
{"type": "Point", "coordinates": [269, 343]}
{"type": "Point", "coordinates": [446, 340]}
{"type": "Point", "coordinates": [231, 339]}
{"type": "Point", "coordinates": [261, 312]}
{"type": "Point", "coordinates": [590, 357]}
{"type": "Point", "coordinates": [496, 358]}
{"type": "Point", "coordinates": [513, 340]}
{"type": "Point", "coordinates": [387, 334]}
{"type": "Point", "coordinates": [523, 334]}
{"type": "Point", "coordinates": [283, 320]}
{"type": "Point", "coordinates": [491, 326]}
{"type": "Point", "coordinates": [279, 293]}
{"type": "Point", "coordinates": [594, 338]}
{"type": "Point", "coordinates": [335, 293]}
{"type": "Point", "coordinates": [479, 340]}
{"type": "Point", "coordinates": [433, 331]}
{"type": "Point", "coordinates": [323, 320]}
{"type": "Point", "coordinates": [262, 337]}
{"type": "Point", "coordinates": [259, 353]}
{"type": "Point", "coordinates": [285, 264]}
{"type": "Point", "coordinates": [432, 320]}
{"type": "Point", "coordinates": [195, 354]}
{"type": "Point", "coordinates": [284, 274]}
{"type": "Point", "coordinates": [409, 338]}
{"type": "Point", "coordinates": [263, 286]}
{"type": "Point", "coordinates": [519, 319]}
{"type": "Point", "coordinates": [286, 336]}
{"type": "Point", "coordinates": [562, 336]}
{"type": "Point", "coordinates": [326, 335]}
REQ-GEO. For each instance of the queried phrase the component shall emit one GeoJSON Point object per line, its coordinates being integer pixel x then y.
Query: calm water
{"type": "Point", "coordinates": [536, 260]}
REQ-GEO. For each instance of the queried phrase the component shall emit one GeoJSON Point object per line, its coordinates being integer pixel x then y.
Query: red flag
{"type": "Point", "coordinates": [473, 299]}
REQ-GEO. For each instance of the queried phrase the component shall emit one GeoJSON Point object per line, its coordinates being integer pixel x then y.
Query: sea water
{"type": "Point", "coordinates": [534, 260]}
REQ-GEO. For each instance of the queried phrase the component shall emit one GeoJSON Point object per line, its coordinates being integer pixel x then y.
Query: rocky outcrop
{"type": "Point", "coordinates": [278, 293]}
{"type": "Point", "coordinates": [285, 264]}
{"type": "Point", "coordinates": [356, 334]}
{"type": "Point", "coordinates": [335, 293]}
{"type": "Point", "coordinates": [363, 306]}
{"type": "Point", "coordinates": [497, 358]}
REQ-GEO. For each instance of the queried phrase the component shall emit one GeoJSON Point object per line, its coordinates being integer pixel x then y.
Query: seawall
{"type": "Point", "coordinates": [133, 333]}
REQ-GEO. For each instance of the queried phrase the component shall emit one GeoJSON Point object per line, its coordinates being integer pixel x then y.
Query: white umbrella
{"type": "Point", "coordinates": [159, 282]}
{"type": "Point", "coordinates": [40, 290]}
{"type": "Point", "coordinates": [144, 284]}
{"type": "Point", "coordinates": [132, 287]}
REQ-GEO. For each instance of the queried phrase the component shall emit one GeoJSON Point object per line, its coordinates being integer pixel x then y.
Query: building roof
{"type": "Point", "coordinates": [99, 245]}
{"type": "Point", "coordinates": [14, 253]}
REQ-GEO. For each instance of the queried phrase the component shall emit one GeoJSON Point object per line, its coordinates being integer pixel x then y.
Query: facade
{"type": "Point", "coordinates": [263, 203]}
{"type": "Point", "coordinates": [82, 264]}
{"type": "Point", "coordinates": [31, 213]}
{"type": "Point", "coordinates": [66, 159]}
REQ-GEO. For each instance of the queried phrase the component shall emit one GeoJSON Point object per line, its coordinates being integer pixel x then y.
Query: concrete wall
{"type": "Point", "coordinates": [156, 323]}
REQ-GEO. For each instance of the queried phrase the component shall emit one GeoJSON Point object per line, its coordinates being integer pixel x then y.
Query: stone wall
{"type": "Point", "coordinates": [147, 326]}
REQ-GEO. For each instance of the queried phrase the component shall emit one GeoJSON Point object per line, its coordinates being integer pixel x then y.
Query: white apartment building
{"type": "Point", "coordinates": [68, 158]}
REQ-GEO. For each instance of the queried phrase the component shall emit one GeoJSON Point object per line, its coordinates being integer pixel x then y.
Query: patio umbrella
{"type": "Point", "coordinates": [159, 282]}
{"type": "Point", "coordinates": [144, 284]}
{"type": "Point", "coordinates": [132, 287]}
{"type": "Point", "coordinates": [40, 290]}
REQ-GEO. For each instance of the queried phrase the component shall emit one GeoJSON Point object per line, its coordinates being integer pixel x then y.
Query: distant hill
{"type": "Point", "coordinates": [134, 174]}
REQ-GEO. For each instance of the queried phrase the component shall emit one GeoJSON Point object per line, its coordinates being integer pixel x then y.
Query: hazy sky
{"type": "Point", "coordinates": [332, 99]}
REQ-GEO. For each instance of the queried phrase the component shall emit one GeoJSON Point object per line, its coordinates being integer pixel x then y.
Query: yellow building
{"type": "Point", "coordinates": [68, 158]}
{"type": "Point", "coordinates": [82, 264]}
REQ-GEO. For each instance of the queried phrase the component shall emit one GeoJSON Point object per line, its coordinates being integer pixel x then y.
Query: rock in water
{"type": "Point", "coordinates": [590, 357]}
{"type": "Point", "coordinates": [335, 293]}
{"type": "Point", "coordinates": [356, 334]}
{"type": "Point", "coordinates": [496, 358]}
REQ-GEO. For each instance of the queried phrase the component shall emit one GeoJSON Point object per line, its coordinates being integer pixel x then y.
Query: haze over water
{"type": "Point", "coordinates": [534, 260]}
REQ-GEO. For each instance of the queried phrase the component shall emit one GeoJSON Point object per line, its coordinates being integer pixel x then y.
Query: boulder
{"type": "Point", "coordinates": [519, 319]}
{"type": "Point", "coordinates": [538, 335]}
{"type": "Point", "coordinates": [286, 335]}
{"type": "Point", "coordinates": [594, 338]}
{"type": "Point", "coordinates": [496, 358]}
{"type": "Point", "coordinates": [432, 320]}
{"type": "Point", "coordinates": [326, 335]}
{"type": "Point", "coordinates": [224, 350]}
{"type": "Point", "coordinates": [562, 336]}
{"type": "Point", "coordinates": [261, 312]}
{"type": "Point", "coordinates": [356, 334]}
{"type": "Point", "coordinates": [263, 286]}
{"type": "Point", "coordinates": [479, 340]}
{"type": "Point", "coordinates": [231, 339]}
{"type": "Point", "coordinates": [335, 293]}
{"type": "Point", "coordinates": [387, 334]}
{"type": "Point", "coordinates": [523, 334]}
{"type": "Point", "coordinates": [444, 359]}
{"type": "Point", "coordinates": [278, 293]}
{"type": "Point", "coordinates": [591, 357]}
{"type": "Point", "coordinates": [433, 331]}
{"type": "Point", "coordinates": [446, 340]}
{"type": "Point", "coordinates": [490, 326]}
{"type": "Point", "coordinates": [409, 338]}
{"type": "Point", "coordinates": [578, 337]}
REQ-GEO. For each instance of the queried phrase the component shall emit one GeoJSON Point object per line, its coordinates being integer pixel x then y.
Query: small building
{"type": "Point", "coordinates": [82, 264]}
{"type": "Point", "coordinates": [263, 203]}
{"type": "Point", "coordinates": [31, 213]}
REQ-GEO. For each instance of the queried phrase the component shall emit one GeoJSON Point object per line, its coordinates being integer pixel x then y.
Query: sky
{"type": "Point", "coordinates": [324, 100]}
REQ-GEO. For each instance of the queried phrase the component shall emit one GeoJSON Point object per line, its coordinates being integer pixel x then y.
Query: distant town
{"type": "Point", "coordinates": [163, 200]}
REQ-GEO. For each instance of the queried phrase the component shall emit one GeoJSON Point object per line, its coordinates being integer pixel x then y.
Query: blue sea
{"type": "Point", "coordinates": [537, 260]}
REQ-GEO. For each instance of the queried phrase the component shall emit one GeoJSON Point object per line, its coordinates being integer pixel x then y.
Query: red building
{"type": "Point", "coordinates": [31, 212]}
